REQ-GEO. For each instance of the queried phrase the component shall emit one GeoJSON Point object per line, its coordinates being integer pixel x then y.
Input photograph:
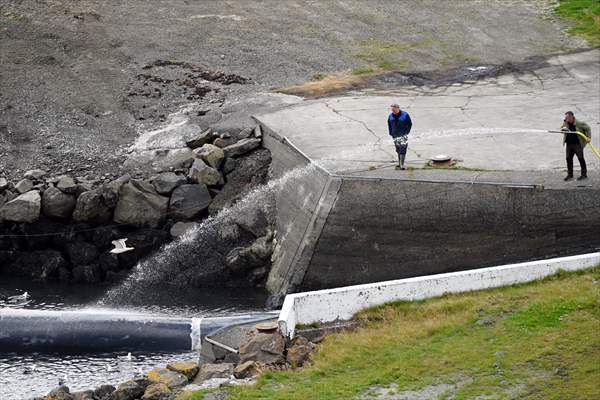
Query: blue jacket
{"type": "Point", "coordinates": [399, 126]}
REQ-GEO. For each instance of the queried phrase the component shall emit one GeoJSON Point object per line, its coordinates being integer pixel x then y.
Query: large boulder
{"type": "Point", "coordinates": [257, 217]}
{"type": "Point", "coordinates": [201, 139]}
{"type": "Point", "coordinates": [24, 186]}
{"type": "Point", "coordinates": [210, 154]}
{"type": "Point", "coordinates": [174, 135]}
{"type": "Point", "coordinates": [140, 205]}
{"type": "Point", "coordinates": [160, 160]}
{"type": "Point", "coordinates": [67, 184]}
{"type": "Point", "coordinates": [87, 273]}
{"type": "Point", "coordinates": [180, 228]}
{"type": "Point", "coordinates": [35, 174]}
{"type": "Point", "coordinates": [299, 351]}
{"type": "Point", "coordinates": [187, 201]}
{"type": "Point", "coordinates": [3, 184]}
{"type": "Point", "coordinates": [242, 147]}
{"type": "Point", "coordinates": [103, 236]}
{"type": "Point", "coordinates": [56, 204]}
{"type": "Point", "coordinates": [143, 241]}
{"type": "Point", "coordinates": [108, 262]}
{"type": "Point", "coordinates": [81, 253]}
{"type": "Point", "coordinates": [166, 182]}
{"type": "Point", "coordinates": [249, 172]}
{"type": "Point", "coordinates": [110, 191]}
{"type": "Point", "coordinates": [247, 369]}
{"type": "Point", "coordinates": [210, 371]}
{"type": "Point", "coordinates": [83, 395]}
{"type": "Point", "coordinates": [170, 378]}
{"type": "Point", "coordinates": [266, 348]}
{"type": "Point", "coordinates": [157, 391]}
{"type": "Point", "coordinates": [25, 208]}
{"type": "Point", "coordinates": [103, 392]}
{"type": "Point", "coordinates": [60, 393]}
{"type": "Point", "coordinates": [201, 173]}
{"type": "Point", "coordinates": [90, 207]}
{"type": "Point", "coordinates": [41, 264]}
{"type": "Point", "coordinates": [258, 254]}
{"type": "Point", "coordinates": [129, 390]}
{"type": "Point", "coordinates": [240, 259]}
{"type": "Point", "coordinates": [187, 368]}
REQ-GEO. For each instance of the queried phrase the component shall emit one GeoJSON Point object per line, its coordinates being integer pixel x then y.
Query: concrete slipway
{"type": "Point", "coordinates": [354, 219]}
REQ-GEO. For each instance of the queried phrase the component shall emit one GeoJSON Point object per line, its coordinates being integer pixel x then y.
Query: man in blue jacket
{"type": "Point", "coordinates": [399, 125]}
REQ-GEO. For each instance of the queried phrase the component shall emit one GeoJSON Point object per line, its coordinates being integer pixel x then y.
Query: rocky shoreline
{"type": "Point", "coordinates": [61, 227]}
{"type": "Point", "coordinates": [259, 351]}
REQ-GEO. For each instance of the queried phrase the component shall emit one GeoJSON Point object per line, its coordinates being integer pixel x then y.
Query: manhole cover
{"type": "Point", "coordinates": [270, 326]}
{"type": "Point", "coordinates": [440, 158]}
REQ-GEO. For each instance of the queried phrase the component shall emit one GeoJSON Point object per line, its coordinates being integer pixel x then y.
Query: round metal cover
{"type": "Point", "coordinates": [268, 326]}
{"type": "Point", "coordinates": [441, 158]}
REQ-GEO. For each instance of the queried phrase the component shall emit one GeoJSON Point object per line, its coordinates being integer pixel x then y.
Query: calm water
{"type": "Point", "coordinates": [23, 376]}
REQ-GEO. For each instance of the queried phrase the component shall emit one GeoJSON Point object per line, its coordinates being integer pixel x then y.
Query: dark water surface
{"type": "Point", "coordinates": [23, 376]}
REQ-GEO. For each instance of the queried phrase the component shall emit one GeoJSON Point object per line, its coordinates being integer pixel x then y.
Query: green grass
{"type": "Point", "coordinates": [539, 341]}
{"type": "Point", "coordinates": [585, 14]}
{"type": "Point", "coordinates": [363, 71]}
{"type": "Point", "coordinates": [384, 56]}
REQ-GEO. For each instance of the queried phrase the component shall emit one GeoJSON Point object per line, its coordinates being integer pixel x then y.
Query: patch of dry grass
{"type": "Point", "coordinates": [325, 86]}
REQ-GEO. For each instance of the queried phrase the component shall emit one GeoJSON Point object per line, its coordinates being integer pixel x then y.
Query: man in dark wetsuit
{"type": "Point", "coordinates": [399, 125]}
{"type": "Point", "coordinates": [575, 143]}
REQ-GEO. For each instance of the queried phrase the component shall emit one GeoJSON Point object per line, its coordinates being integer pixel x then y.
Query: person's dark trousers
{"type": "Point", "coordinates": [575, 150]}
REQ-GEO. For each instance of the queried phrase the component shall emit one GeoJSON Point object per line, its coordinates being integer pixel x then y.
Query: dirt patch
{"type": "Point", "coordinates": [428, 392]}
{"type": "Point", "coordinates": [328, 86]}
{"type": "Point", "coordinates": [81, 77]}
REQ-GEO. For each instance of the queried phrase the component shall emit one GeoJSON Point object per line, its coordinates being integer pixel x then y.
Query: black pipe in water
{"type": "Point", "coordinates": [91, 331]}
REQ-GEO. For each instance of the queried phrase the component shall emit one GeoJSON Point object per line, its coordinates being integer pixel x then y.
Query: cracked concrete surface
{"type": "Point", "coordinates": [496, 125]}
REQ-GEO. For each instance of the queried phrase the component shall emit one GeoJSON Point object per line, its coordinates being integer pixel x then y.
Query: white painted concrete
{"type": "Point", "coordinates": [342, 303]}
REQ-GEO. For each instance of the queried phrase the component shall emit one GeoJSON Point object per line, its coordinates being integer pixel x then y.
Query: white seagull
{"type": "Point", "coordinates": [120, 246]}
{"type": "Point", "coordinates": [19, 298]}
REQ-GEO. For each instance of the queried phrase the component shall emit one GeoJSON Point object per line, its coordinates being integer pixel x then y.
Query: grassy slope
{"type": "Point", "coordinates": [533, 341]}
{"type": "Point", "coordinates": [585, 14]}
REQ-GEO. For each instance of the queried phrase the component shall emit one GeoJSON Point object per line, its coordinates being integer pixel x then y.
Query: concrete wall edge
{"type": "Point", "coordinates": [342, 303]}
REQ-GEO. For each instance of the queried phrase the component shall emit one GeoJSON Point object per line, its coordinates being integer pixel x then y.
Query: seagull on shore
{"type": "Point", "coordinates": [120, 246]}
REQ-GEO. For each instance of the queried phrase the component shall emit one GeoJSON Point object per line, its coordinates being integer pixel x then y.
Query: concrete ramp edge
{"type": "Point", "coordinates": [342, 303]}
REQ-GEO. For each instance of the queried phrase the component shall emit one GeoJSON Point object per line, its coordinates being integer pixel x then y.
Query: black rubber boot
{"type": "Point", "coordinates": [401, 161]}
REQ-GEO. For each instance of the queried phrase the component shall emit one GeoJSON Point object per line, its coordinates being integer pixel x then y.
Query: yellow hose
{"type": "Point", "coordinates": [588, 140]}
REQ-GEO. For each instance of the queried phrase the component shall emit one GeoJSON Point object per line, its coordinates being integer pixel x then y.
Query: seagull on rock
{"type": "Point", "coordinates": [120, 246]}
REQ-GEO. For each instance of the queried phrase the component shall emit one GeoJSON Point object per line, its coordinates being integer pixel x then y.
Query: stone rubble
{"type": "Point", "coordinates": [79, 216]}
{"type": "Point", "coordinates": [259, 351]}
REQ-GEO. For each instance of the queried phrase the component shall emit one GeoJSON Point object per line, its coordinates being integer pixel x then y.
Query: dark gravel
{"type": "Point", "coordinates": [80, 78]}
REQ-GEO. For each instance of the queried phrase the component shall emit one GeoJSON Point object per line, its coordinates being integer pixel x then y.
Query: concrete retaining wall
{"type": "Point", "coordinates": [301, 212]}
{"type": "Point", "coordinates": [335, 230]}
{"type": "Point", "coordinates": [381, 229]}
{"type": "Point", "coordinates": [342, 303]}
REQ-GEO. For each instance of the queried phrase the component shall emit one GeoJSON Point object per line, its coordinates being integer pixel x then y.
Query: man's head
{"type": "Point", "coordinates": [395, 108]}
{"type": "Point", "coordinates": [569, 117]}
